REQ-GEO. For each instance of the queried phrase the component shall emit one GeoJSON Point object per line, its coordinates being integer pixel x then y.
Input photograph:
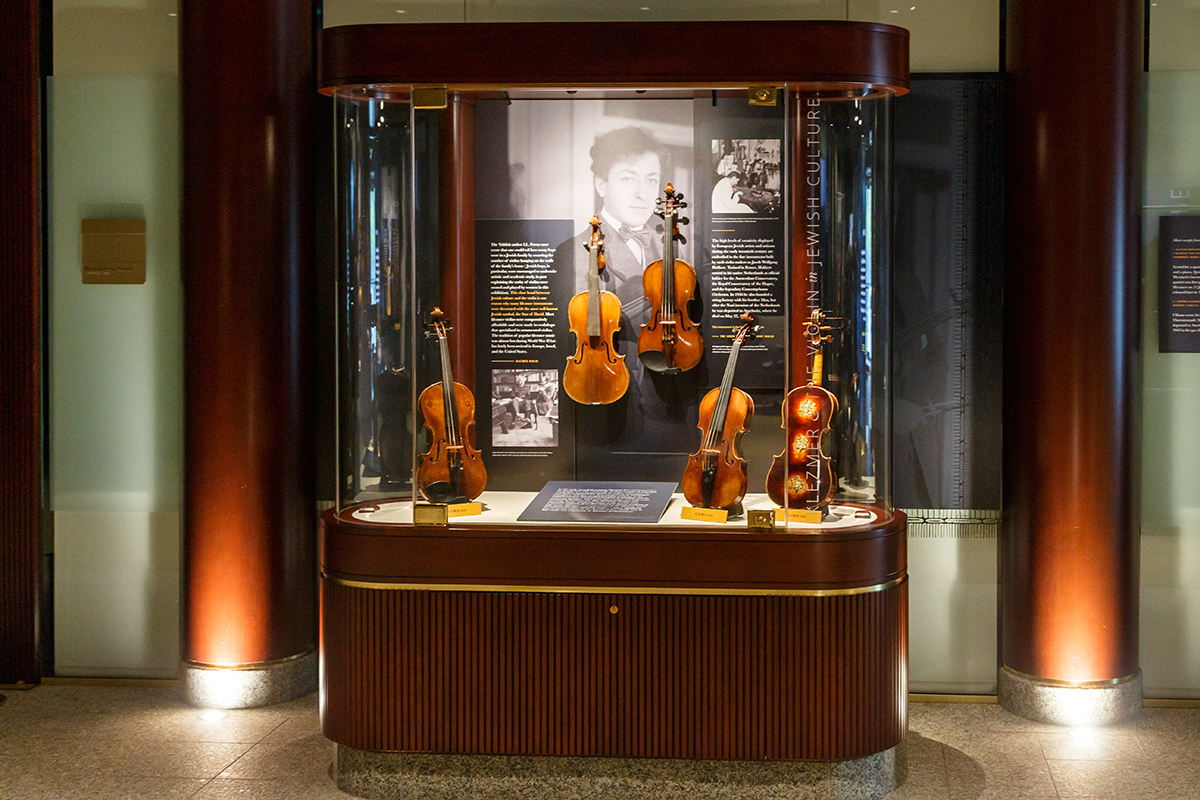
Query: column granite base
{"type": "Point", "coordinates": [249, 686]}
{"type": "Point", "coordinates": [1059, 703]}
{"type": "Point", "coordinates": [423, 776]}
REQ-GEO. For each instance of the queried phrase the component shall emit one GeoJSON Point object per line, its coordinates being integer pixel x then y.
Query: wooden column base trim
{"type": "Point", "coordinates": [1090, 704]}
{"type": "Point", "coordinates": [249, 685]}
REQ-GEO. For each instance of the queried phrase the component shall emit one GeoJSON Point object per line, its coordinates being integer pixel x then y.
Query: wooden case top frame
{"type": "Point", "coordinates": [709, 54]}
{"type": "Point", "coordinates": [582, 558]}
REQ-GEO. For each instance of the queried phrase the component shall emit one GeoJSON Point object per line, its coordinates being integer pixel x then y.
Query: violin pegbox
{"type": "Point", "coordinates": [596, 242]}
{"type": "Point", "coordinates": [438, 325]}
{"type": "Point", "coordinates": [751, 326]}
{"type": "Point", "coordinates": [816, 329]}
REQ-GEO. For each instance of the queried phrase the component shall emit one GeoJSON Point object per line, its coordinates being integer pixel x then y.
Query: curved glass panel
{"type": "Point", "coordinates": [575, 311]}
{"type": "Point", "coordinates": [373, 139]}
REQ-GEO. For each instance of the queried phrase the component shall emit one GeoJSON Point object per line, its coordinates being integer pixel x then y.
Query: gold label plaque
{"type": "Point", "coordinates": [704, 514]}
{"type": "Point", "coordinates": [464, 509]}
{"type": "Point", "coordinates": [114, 251]}
{"type": "Point", "coordinates": [803, 516]}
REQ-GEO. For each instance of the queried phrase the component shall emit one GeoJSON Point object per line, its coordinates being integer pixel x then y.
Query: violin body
{"type": "Point", "coordinates": [717, 477]}
{"type": "Point", "coordinates": [439, 465]}
{"type": "Point", "coordinates": [802, 474]}
{"type": "Point", "coordinates": [596, 374]}
{"type": "Point", "coordinates": [670, 341]}
{"type": "Point", "coordinates": [452, 470]}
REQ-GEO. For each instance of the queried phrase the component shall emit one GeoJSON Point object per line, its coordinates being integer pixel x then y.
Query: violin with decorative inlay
{"type": "Point", "coordinates": [803, 474]}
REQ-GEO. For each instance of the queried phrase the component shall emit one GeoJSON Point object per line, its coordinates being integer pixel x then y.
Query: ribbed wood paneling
{"type": "Point", "coordinates": [20, 343]}
{"type": "Point", "coordinates": [713, 677]}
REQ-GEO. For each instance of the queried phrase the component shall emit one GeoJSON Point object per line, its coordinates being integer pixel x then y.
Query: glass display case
{"type": "Point", "coordinates": [613, 360]}
{"type": "Point", "coordinates": [671, 309]}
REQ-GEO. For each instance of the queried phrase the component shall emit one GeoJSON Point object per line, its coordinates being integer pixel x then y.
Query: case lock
{"type": "Point", "coordinates": [760, 520]}
{"type": "Point", "coordinates": [763, 95]}
{"type": "Point", "coordinates": [431, 514]}
{"type": "Point", "coordinates": [431, 97]}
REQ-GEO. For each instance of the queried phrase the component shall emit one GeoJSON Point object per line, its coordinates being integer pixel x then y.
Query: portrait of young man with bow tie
{"type": "Point", "coordinates": [656, 419]}
{"type": "Point", "coordinates": [627, 173]}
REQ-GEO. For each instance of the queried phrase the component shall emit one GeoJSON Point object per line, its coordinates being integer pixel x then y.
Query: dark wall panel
{"type": "Point", "coordinates": [21, 470]}
{"type": "Point", "coordinates": [947, 289]}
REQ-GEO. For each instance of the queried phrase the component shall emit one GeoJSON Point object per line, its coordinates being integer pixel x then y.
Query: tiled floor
{"type": "Point", "coordinates": [75, 742]}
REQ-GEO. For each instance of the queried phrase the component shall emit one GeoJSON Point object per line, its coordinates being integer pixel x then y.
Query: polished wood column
{"type": "Point", "coordinates": [246, 71]}
{"type": "Point", "coordinates": [1069, 550]}
{"type": "Point", "coordinates": [21, 467]}
{"type": "Point", "coordinates": [456, 220]}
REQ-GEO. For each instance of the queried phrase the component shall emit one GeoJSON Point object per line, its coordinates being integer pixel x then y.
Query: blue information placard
{"type": "Point", "coordinates": [599, 501]}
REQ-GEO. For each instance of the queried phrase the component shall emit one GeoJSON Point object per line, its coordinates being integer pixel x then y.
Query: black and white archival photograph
{"type": "Point", "coordinates": [746, 176]}
{"type": "Point", "coordinates": [524, 408]}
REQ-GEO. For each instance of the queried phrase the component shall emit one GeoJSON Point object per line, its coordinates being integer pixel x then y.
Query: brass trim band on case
{"type": "Point", "coordinates": [671, 590]}
{"type": "Point", "coordinates": [1061, 684]}
{"type": "Point", "coordinates": [250, 665]}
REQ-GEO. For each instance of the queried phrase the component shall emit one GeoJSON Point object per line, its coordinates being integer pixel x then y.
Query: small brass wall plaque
{"type": "Point", "coordinates": [114, 250]}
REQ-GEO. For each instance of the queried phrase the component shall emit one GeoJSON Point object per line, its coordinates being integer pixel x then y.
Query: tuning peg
{"type": "Point", "coordinates": [658, 228]}
{"type": "Point", "coordinates": [679, 238]}
{"type": "Point", "coordinates": [684, 220]}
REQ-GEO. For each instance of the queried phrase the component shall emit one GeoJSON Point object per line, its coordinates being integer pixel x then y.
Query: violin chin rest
{"type": "Point", "coordinates": [656, 361]}
{"type": "Point", "coordinates": [443, 492]}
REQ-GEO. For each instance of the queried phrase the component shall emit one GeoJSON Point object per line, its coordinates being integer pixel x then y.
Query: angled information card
{"type": "Point", "coordinates": [599, 501]}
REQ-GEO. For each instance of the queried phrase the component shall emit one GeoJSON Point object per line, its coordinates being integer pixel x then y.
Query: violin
{"type": "Point", "coordinates": [596, 374]}
{"type": "Point", "coordinates": [452, 470]}
{"type": "Point", "coordinates": [715, 476]}
{"type": "Point", "coordinates": [803, 474]}
{"type": "Point", "coordinates": [670, 341]}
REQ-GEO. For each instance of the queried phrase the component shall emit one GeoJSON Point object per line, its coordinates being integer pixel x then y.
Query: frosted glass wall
{"type": "Point", "coordinates": [115, 371]}
{"type": "Point", "coordinates": [1170, 630]}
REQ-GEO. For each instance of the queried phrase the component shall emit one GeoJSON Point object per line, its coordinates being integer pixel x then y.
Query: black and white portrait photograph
{"type": "Point", "coordinates": [612, 159]}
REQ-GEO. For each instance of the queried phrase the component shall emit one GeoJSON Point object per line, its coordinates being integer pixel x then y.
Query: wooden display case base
{"type": "Point", "coordinates": [392, 776]}
{"type": "Point", "coordinates": [684, 644]}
